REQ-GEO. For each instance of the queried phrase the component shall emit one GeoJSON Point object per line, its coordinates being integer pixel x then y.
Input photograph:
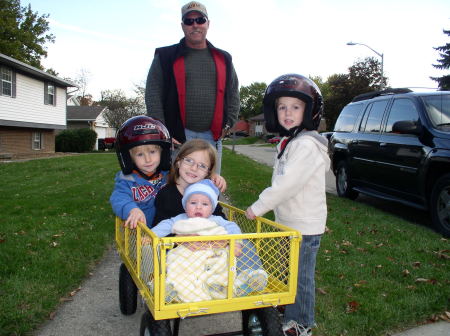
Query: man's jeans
{"type": "Point", "coordinates": [208, 137]}
{"type": "Point", "coordinates": [302, 310]}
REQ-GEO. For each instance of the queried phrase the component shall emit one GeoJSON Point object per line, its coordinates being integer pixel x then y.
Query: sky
{"type": "Point", "coordinates": [114, 41]}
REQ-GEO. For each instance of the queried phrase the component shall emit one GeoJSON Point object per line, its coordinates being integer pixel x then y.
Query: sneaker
{"type": "Point", "coordinates": [292, 328]}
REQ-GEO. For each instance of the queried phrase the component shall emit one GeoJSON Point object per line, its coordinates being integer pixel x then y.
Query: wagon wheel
{"type": "Point", "coordinates": [261, 322]}
{"type": "Point", "coordinates": [127, 292]}
{"type": "Point", "coordinates": [152, 327]}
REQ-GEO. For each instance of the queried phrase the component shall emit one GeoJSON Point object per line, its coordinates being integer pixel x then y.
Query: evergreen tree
{"type": "Point", "coordinates": [444, 63]}
{"type": "Point", "coordinates": [23, 33]}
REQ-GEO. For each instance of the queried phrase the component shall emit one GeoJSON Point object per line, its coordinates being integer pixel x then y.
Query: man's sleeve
{"type": "Point", "coordinates": [154, 90]}
{"type": "Point", "coordinates": [233, 100]}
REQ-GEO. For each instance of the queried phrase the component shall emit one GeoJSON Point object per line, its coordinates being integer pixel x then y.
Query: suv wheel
{"type": "Point", "coordinates": [343, 186]}
{"type": "Point", "coordinates": [440, 205]}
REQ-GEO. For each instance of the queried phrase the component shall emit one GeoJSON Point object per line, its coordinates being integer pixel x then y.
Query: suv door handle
{"type": "Point", "coordinates": [383, 144]}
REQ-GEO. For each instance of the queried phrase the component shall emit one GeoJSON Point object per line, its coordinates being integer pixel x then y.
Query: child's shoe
{"type": "Point", "coordinates": [292, 328]}
{"type": "Point", "coordinates": [250, 281]}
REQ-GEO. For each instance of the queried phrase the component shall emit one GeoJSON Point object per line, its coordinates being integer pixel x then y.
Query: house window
{"type": "Point", "coordinates": [36, 142]}
{"type": "Point", "coordinates": [6, 82]}
{"type": "Point", "coordinates": [50, 94]}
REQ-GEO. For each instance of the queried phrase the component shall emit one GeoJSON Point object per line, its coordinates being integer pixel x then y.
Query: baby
{"type": "Point", "coordinates": [198, 271]}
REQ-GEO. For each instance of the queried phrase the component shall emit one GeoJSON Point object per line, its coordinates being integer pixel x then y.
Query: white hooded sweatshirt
{"type": "Point", "coordinates": [297, 194]}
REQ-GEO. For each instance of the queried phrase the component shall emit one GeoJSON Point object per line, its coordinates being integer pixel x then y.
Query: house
{"type": "Point", "coordinates": [32, 109]}
{"type": "Point", "coordinates": [241, 126]}
{"type": "Point", "coordinates": [256, 125]}
{"type": "Point", "coordinates": [90, 117]}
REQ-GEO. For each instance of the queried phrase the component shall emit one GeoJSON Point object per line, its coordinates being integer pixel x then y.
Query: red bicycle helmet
{"type": "Point", "coordinates": [142, 130]}
{"type": "Point", "coordinates": [298, 86]}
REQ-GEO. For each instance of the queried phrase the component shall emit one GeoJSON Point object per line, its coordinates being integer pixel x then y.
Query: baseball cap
{"type": "Point", "coordinates": [193, 6]}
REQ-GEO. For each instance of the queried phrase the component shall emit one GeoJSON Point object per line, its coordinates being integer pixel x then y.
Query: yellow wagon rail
{"type": "Point", "coordinates": [277, 246]}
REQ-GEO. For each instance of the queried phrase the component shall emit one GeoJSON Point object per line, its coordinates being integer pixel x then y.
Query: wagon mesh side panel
{"type": "Point", "coordinates": [174, 271]}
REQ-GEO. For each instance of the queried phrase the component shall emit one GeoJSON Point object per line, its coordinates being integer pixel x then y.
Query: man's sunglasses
{"type": "Point", "coordinates": [199, 20]}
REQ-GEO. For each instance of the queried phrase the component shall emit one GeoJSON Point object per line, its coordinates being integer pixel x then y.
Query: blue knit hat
{"type": "Point", "coordinates": [205, 187]}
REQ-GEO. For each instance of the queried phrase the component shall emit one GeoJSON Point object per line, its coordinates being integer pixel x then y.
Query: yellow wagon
{"type": "Point", "coordinates": [144, 271]}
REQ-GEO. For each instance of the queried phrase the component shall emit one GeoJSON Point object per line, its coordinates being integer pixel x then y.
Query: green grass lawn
{"type": "Point", "coordinates": [376, 273]}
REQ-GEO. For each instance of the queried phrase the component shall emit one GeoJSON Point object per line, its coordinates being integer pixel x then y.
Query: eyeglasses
{"type": "Point", "coordinates": [189, 162]}
{"type": "Point", "coordinates": [198, 20]}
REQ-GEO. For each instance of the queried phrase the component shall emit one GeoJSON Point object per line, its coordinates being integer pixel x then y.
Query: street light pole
{"type": "Point", "coordinates": [376, 52]}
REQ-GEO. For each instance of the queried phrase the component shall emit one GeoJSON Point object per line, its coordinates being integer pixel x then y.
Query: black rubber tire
{"type": "Point", "coordinates": [152, 327]}
{"type": "Point", "coordinates": [440, 205]}
{"type": "Point", "coordinates": [127, 292]}
{"type": "Point", "coordinates": [261, 322]}
{"type": "Point", "coordinates": [343, 186]}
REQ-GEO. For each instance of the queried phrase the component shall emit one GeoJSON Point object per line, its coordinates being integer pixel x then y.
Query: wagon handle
{"type": "Point", "coordinates": [189, 313]}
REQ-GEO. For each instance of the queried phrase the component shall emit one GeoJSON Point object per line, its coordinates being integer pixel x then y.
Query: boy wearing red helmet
{"type": "Point", "coordinates": [293, 107]}
{"type": "Point", "coordinates": [143, 147]}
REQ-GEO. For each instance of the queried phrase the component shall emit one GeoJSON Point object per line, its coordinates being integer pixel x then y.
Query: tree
{"type": "Point", "coordinates": [366, 74]}
{"type": "Point", "coordinates": [444, 63]}
{"type": "Point", "coordinates": [23, 33]}
{"type": "Point", "coordinates": [363, 76]}
{"type": "Point", "coordinates": [339, 94]}
{"type": "Point", "coordinates": [120, 108]}
{"type": "Point", "coordinates": [251, 99]}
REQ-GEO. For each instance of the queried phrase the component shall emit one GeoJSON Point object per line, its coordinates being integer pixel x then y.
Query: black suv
{"type": "Point", "coordinates": [395, 144]}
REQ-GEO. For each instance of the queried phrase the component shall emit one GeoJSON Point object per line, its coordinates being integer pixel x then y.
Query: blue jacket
{"type": "Point", "coordinates": [133, 191]}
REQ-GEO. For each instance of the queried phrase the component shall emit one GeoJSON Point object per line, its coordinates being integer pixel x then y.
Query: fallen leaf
{"type": "Point", "coordinates": [422, 280]}
{"type": "Point", "coordinates": [64, 299]}
{"type": "Point", "coordinates": [322, 291]}
{"type": "Point", "coordinates": [405, 272]}
{"type": "Point", "coordinates": [72, 293]}
{"type": "Point", "coordinates": [416, 264]}
{"type": "Point", "coordinates": [352, 306]}
{"type": "Point", "coordinates": [54, 244]}
{"type": "Point", "coordinates": [443, 254]}
{"type": "Point", "coordinates": [52, 315]}
{"type": "Point", "coordinates": [346, 243]}
{"type": "Point", "coordinates": [431, 281]}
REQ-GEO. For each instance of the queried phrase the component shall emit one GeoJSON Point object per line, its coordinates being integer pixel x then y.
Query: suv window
{"type": "Point", "coordinates": [372, 119]}
{"type": "Point", "coordinates": [438, 109]}
{"type": "Point", "coordinates": [347, 118]}
{"type": "Point", "coordinates": [402, 109]}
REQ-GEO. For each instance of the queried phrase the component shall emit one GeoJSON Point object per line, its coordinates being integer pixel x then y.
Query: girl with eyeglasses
{"type": "Point", "coordinates": [195, 161]}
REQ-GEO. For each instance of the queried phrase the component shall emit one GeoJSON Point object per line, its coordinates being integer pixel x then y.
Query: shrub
{"type": "Point", "coordinates": [75, 140]}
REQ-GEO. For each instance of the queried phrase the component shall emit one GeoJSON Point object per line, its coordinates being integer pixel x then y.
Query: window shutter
{"type": "Point", "coordinates": [46, 93]}
{"type": "Point", "coordinates": [55, 90]}
{"type": "Point", "coordinates": [13, 88]}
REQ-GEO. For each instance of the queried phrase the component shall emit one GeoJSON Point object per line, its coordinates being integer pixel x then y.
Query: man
{"type": "Point", "coordinates": [192, 86]}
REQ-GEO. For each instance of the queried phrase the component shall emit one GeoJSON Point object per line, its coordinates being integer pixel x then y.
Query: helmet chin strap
{"type": "Point", "coordinates": [291, 134]}
{"type": "Point", "coordinates": [144, 175]}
